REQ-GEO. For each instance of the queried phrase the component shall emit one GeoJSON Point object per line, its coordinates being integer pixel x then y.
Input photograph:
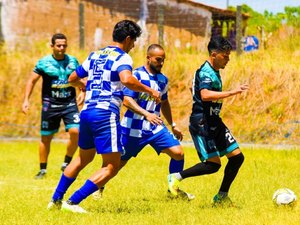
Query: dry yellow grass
{"type": "Point", "coordinates": [265, 114]}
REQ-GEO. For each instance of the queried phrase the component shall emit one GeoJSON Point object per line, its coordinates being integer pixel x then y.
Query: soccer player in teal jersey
{"type": "Point", "coordinates": [210, 135]}
{"type": "Point", "coordinates": [58, 100]}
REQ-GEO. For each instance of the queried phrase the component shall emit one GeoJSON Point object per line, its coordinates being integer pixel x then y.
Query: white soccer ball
{"type": "Point", "coordinates": [284, 196]}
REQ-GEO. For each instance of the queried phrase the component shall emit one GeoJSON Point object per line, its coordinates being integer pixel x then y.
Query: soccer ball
{"type": "Point", "coordinates": [284, 196]}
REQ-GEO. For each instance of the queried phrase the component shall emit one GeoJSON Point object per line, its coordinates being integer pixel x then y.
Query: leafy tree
{"type": "Point", "coordinates": [292, 16]}
{"type": "Point", "coordinates": [269, 21]}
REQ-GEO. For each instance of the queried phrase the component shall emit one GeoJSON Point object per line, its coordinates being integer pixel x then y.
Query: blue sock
{"type": "Point", "coordinates": [87, 189]}
{"type": "Point", "coordinates": [176, 165]}
{"type": "Point", "coordinates": [62, 187]}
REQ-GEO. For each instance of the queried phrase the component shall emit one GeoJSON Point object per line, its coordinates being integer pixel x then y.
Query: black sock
{"type": "Point", "coordinates": [43, 166]}
{"type": "Point", "coordinates": [231, 170]}
{"type": "Point", "coordinates": [200, 169]}
{"type": "Point", "coordinates": [67, 159]}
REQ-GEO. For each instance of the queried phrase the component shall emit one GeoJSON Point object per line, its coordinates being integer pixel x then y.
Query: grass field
{"type": "Point", "coordinates": [138, 194]}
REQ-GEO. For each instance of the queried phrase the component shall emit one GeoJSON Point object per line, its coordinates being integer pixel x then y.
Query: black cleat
{"type": "Point", "coordinates": [41, 174]}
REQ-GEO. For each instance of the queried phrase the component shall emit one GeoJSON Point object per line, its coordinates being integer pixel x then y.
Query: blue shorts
{"type": "Point", "coordinates": [211, 141]}
{"type": "Point", "coordinates": [160, 141]}
{"type": "Point", "coordinates": [52, 115]}
{"type": "Point", "coordinates": [100, 129]}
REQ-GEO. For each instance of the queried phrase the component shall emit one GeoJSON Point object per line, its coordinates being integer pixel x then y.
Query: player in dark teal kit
{"type": "Point", "coordinates": [58, 100]}
{"type": "Point", "coordinates": [210, 135]}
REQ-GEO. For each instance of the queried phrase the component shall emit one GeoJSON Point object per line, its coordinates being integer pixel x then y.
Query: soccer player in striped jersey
{"type": "Point", "coordinates": [210, 135]}
{"type": "Point", "coordinates": [108, 71]}
{"type": "Point", "coordinates": [142, 124]}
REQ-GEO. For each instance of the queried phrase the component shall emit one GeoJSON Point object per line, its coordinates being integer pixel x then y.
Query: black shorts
{"type": "Point", "coordinates": [52, 114]}
{"type": "Point", "coordinates": [211, 139]}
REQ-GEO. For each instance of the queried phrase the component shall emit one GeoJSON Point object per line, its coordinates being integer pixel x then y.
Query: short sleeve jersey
{"type": "Point", "coordinates": [206, 78]}
{"type": "Point", "coordinates": [136, 125]}
{"type": "Point", "coordinates": [104, 89]}
{"type": "Point", "coordinates": [55, 74]}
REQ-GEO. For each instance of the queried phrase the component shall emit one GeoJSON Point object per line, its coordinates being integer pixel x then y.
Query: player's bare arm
{"type": "Point", "coordinates": [76, 81]}
{"type": "Point", "coordinates": [209, 95]}
{"type": "Point", "coordinates": [131, 104]}
{"type": "Point", "coordinates": [166, 111]}
{"type": "Point", "coordinates": [132, 83]}
{"type": "Point", "coordinates": [29, 87]}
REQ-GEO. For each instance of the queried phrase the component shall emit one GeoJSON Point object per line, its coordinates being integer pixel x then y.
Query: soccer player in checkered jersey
{"type": "Point", "coordinates": [210, 135]}
{"type": "Point", "coordinates": [142, 124]}
{"type": "Point", "coordinates": [107, 70]}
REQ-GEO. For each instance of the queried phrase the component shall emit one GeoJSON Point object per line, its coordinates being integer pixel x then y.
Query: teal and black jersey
{"type": "Point", "coordinates": [55, 73]}
{"type": "Point", "coordinates": [206, 78]}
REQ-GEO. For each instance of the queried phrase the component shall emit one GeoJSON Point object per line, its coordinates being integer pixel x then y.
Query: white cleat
{"type": "Point", "coordinates": [97, 195]}
{"type": "Point", "coordinates": [54, 205]}
{"type": "Point", "coordinates": [182, 195]}
{"type": "Point", "coordinates": [72, 208]}
{"type": "Point", "coordinates": [185, 195]}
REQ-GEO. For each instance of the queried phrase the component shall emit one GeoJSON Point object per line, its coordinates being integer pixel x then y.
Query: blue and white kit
{"type": "Point", "coordinates": [104, 96]}
{"type": "Point", "coordinates": [137, 131]}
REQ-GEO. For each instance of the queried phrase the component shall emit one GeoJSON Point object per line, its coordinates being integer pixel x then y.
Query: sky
{"type": "Point", "coordinates": [273, 6]}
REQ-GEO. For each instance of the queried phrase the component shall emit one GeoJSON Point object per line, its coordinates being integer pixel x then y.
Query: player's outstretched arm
{"type": "Point", "coordinates": [209, 95]}
{"type": "Point", "coordinates": [75, 81]}
{"type": "Point", "coordinates": [132, 83]}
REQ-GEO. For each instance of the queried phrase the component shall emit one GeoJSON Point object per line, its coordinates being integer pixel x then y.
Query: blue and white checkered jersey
{"type": "Point", "coordinates": [104, 89]}
{"type": "Point", "coordinates": [136, 125]}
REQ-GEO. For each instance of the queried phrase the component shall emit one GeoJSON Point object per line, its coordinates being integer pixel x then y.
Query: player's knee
{"type": "Point", "coordinates": [212, 167]}
{"type": "Point", "coordinates": [237, 160]}
{"type": "Point", "coordinates": [178, 154]}
{"type": "Point", "coordinates": [178, 157]}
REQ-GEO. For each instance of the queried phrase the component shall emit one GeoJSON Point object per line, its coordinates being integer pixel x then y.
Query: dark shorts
{"type": "Point", "coordinates": [211, 140]}
{"type": "Point", "coordinates": [53, 114]}
{"type": "Point", "coordinates": [162, 140]}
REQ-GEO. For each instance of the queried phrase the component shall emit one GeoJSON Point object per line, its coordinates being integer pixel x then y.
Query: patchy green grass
{"type": "Point", "coordinates": [138, 194]}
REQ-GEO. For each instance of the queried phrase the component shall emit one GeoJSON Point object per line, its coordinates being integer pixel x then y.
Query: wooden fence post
{"type": "Point", "coordinates": [81, 25]}
{"type": "Point", "coordinates": [160, 24]}
{"type": "Point", "coordinates": [1, 34]}
{"type": "Point", "coordinates": [239, 30]}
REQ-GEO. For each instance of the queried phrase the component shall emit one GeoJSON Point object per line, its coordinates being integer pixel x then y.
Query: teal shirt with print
{"type": "Point", "coordinates": [55, 73]}
{"type": "Point", "coordinates": [207, 78]}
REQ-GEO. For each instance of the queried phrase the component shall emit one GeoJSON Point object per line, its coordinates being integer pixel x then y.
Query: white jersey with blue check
{"type": "Point", "coordinates": [104, 89]}
{"type": "Point", "coordinates": [136, 125]}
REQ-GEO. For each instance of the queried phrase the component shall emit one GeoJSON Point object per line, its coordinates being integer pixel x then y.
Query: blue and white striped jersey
{"type": "Point", "coordinates": [136, 125]}
{"type": "Point", "coordinates": [104, 89]}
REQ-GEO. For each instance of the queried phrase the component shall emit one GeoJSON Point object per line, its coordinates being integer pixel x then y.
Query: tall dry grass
{"type": "Point", "coordinates": [265, 114]}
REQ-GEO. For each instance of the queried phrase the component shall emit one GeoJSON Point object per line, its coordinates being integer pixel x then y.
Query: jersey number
{"type": "Point", "coordinates": [229, 137]}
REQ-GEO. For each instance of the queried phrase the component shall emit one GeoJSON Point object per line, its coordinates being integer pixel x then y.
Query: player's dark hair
{"type": "Point", "coordinates": [219, 44]}
{"type": "Point", "coordinates": [126, 28]}
{"type": "Point", "coordinates": [57, 36]}
{"type": "Point", "coordinates": [154, 46]}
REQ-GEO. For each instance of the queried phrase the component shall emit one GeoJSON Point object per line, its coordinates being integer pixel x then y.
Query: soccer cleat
{"type": "Point", "coordinates": [219, 200]}
{"type": "Point", "coordinates": [98, 194]}
{"type": "Point", "coordinates": [173, 184]}
{"type": "Point", "coordinates": [41, 174]}
{"type": "Point", "coordinates": [64, 166]}
{"type": "Point", "coordinates": [182, 195]}
{"type": "Point", "coordinates": [54, 205]}
{"type": "Point", "coordinates": [67, 207]}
